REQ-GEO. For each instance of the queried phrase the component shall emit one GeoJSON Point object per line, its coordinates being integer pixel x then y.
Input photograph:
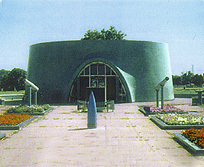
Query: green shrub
{"type": "Point", "coordinates": [28, 109]}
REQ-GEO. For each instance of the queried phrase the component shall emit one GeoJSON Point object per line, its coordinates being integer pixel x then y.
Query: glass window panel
{"type": "Point", "coordinates": [113, 72]}
{"type": "Point", "coordinates": [93, 82]}
{"type": "Point", "coordinates": [101, 69]}
{"type": "Point", "coordinates": [94, 69]}
{"type": "Point", "coordinates": [107, 70]}
{"type": "Point", "coordinates": [101, 82]}
{"type": "Point", "coordinates": [120, 85]}
{"type": "Point", "coordinates": [87, 71]}
{"type": "Point", "coordinates": [82, 72]}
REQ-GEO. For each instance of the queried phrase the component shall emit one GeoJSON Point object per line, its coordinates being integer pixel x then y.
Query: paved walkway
{"type": "Point", "coordinates": [122, 138]}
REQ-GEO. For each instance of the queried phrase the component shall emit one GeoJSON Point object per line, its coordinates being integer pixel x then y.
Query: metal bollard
{"type": "Point", "coordinates": [92, 112]}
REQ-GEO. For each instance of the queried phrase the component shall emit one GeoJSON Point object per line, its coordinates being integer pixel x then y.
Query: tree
{"type": "Point", "coordinates": [111, 34]}
{"type": "Point", "coordinates": [176, 80]}
{"type": "Point", "coordinates": [197, 79]}
{"type": "Point", "coordinates": [14, 80]}
{"type": "Point", "coordinates": [186, 78]}
{"type": "Point", "coordinates": [2, 74]}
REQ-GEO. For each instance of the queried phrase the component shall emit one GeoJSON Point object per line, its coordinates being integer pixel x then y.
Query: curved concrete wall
{"type": "Point", "coordinates": [53, 66]}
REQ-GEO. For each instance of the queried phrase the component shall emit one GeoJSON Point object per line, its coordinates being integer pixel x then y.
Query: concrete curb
{"type": "Point", "coordinates": [164, 126]}
{"type": "Point", "coordinates": [2, 135]}
{"type": "Point", "coordinates": [188, 145]}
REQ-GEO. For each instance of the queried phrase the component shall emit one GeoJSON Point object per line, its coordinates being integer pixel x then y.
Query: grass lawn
{"type": "Point", "coordinates": [185, 91]}
{"type": "Point", "coordinates": [201, 105]}
{"type": "Point", "coordinates": [12, 92]}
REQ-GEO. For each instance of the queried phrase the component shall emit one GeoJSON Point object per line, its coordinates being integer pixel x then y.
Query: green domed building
{"type": "Point", "coordinates": [119, 70]}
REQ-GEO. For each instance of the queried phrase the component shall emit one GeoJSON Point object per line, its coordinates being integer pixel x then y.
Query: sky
{"type": "Point", "coordinates": [180, 23]}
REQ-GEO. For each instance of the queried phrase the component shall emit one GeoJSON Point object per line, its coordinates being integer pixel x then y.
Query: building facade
{"type": "Point", "coordinates": [119, 70]}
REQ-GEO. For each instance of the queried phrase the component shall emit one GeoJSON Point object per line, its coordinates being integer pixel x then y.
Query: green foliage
{"type": "Point", "coordinates": [3, 73]}
{"type": "Point", "coordinates": [111, 34]}
{"type": "Point", "coordinates": [177, 80]}
{"type": "Point", "coordinates": [197, 79]}
{"type": "Point", "coordinates": [188, 78]}
{"type": "Point", "coordinates": [13, 80]}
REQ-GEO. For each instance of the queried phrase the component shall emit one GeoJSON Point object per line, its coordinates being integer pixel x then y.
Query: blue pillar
{"type": "Point", "coordinates": [92, 112]}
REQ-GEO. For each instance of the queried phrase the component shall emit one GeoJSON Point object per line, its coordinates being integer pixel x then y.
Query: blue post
{"type": "Point", "coordinates": [92, 112]}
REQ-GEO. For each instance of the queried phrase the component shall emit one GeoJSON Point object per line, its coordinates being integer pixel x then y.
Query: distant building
{"type": "Point", "coordinates": [119, 70]}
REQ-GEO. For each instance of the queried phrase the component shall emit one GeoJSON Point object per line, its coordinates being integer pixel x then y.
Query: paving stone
{"type": "Point", "coordinates": [124, 137]}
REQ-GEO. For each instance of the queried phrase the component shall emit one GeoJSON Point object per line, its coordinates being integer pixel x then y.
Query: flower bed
{"type": "Point", "coordinates": [14, 121]}
{"type": "Point", "coordinates": [178, 121]}
{"type": "Point", "coordinates": [188, 145]}
{"type": "Point", "coordinates": [152, 110]}
{"type": "Point", "coordinates": [195, 135]}
{"type": "Point", "coordinates": [31, 110]}
{"type": "Point", "coordinates": [181, 119]}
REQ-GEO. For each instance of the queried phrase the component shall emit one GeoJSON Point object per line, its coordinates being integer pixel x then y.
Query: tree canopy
{"type": "Point", "coordinates": [188, 78]}
{"type": "Point", "coordinates": [111, 34]}
{"type": "Point", "coordinates": [13, 79]}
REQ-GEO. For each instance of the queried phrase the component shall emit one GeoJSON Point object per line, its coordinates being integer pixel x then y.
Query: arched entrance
{"type": "Point", "coordinates": [100, 78]}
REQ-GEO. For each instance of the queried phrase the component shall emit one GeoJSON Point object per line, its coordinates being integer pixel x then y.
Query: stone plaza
{"type": "Point", "coordinates": [124, 137]}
